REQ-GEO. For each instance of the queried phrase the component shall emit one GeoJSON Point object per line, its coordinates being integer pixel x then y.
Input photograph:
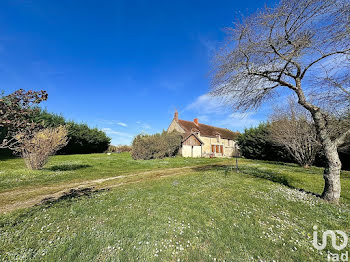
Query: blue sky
{"type": "Point", "coordinates": [121, 66]}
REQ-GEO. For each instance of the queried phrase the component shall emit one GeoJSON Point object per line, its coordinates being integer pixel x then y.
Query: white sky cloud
{"type": "Point", "coordinates": [143, 125]}
{"type": "Point", "coordinates": [110, 131]}
{"type": "Point", "coordinates": [204, 118]}
{"type": "Point", "coordinates": [239, 121]}
{"type": "Point", "coordinates": [207, 104]}
{"type": "Point", "coordinates": [112, 122]}
{"type": "Point", "coordinates": [122, 124]}
{"type": "Point", "coordinates": [214, 111]}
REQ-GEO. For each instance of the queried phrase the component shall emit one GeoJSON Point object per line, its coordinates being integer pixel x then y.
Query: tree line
{"type": "Point", "coordinates": [257, 143]}
{"type": "Point", "coordinates": [290, 136]}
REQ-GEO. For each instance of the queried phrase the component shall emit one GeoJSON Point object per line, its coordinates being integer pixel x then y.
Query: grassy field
{"type": "Point", "coordinates": [159, 211]}
{"type": "Point", "coordinates": [20, 187]}
{"type": "Point", "coordinates": [75, 168]}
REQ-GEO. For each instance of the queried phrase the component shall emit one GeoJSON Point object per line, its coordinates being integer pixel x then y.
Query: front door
{"type": "Point", "coordinates": [196, 151]}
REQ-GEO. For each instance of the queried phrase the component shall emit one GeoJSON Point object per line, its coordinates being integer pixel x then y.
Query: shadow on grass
{"type": "Point", "coordinates": [67, 167]}
{"type": "Point", "coordinates": [289, 164]}
{"type": "Point", "coordinates": [274, 177]}
{"type": "Point", "coordinates": [71, 194]}
{"type": "Point", "coordinates": [258, 173]}
{"type": "Point", "coordinates": [212, 167]}
{"type": "Point", "coordinates": [49, 202]}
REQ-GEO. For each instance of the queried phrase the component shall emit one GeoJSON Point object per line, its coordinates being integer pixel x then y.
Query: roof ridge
{"type": "Point", "coordinates": [186, 120]}
{"type": "Point", "coordinates": [207, 125]}
{"type": "Point", "coordinates": [216, 127]}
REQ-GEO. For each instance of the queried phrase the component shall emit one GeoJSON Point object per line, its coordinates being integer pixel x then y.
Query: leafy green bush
{"type": "Point", "coordinates": [156, 146]}
{"type": "Point", "coordinates": [85, 140]}
{"type": "Point", "coordinates": [81, 138]}
{"type": "Point", "coordinates": [49, 119]}
{"type": "Point", "coordinates": [255, 144]}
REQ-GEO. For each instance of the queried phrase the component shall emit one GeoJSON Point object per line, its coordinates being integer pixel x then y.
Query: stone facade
{"type": "Point", "coordinates": [209, 141]}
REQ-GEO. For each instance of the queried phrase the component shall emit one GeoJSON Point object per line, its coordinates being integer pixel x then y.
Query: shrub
{"type": "Point", "coordinates": [44, 143]}
{"type": "Point", "coordinates": [254, 143]}
{"type": "Point", "coordinates": [172, 143]}
{"type": "Point", "coordinates": [145, 146]}
{"type": "Point", "coordinates": [156, 146]}
{"type": "Point", "coordinates": [49, 119]}
{"type": "Point", "coordinates": [82, 138]}
{"type": "Point", "coordinates": [111, 149]}
{"type": "Point", "coordinates": [119, 148]}
{"type": "Point", "coordinates": [85, 140]}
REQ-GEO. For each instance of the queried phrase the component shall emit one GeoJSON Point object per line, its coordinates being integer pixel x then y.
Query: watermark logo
{"type": "Point", "coordinates": [332, 234]}
{"type": "Point", "coordinates": [337, 246]}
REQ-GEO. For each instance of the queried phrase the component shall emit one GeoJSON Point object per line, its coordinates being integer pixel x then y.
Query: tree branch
{"type": "Point", "coordinates": [341, 139]}
{"type": "Point", "coordinates": [321, 58]}
{"type": "Point", "coordinates": [278, 80]}
{"type": "Point", "coordinates": [289, 60]}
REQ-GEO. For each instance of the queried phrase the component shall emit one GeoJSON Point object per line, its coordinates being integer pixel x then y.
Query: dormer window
{"type": "Point", "coordinates": [218, 138]}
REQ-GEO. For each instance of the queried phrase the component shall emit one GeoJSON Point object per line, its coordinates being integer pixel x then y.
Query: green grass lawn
{"type": "Point", "coordinates": [207, 213]}
{"type": "Point", "coordinates": [75, 168]}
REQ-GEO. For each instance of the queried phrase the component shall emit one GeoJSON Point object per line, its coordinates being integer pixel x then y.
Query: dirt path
{"type": "Point", "coordinates": [22, 198]}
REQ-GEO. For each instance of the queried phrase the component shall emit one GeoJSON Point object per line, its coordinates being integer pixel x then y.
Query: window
{"type": "Point", "coordinates": [213, 149]}
{"type": "Point", "coordinates": [221, 149]}
{"type": "Point", "coordinates": [217, 149]}
{"type": "Point", "coordinates": [218, 139]}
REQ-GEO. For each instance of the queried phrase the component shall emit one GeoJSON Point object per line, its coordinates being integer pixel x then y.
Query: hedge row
{"type": "Point", "coordinates": [82, 138]}
{"type": "Point", "coordinates": [255, 144]}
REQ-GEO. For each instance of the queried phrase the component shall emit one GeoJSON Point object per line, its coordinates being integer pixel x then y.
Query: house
{"type": "Point", "coordinates": [200, 140]}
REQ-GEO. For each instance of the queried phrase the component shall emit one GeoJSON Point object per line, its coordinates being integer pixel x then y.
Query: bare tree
{"type": "Point", "coordinates": [292, 128]}
{"type": "Point", "coordinates": [291, 45]}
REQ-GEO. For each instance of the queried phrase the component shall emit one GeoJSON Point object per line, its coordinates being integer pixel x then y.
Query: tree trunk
{"type": "Point", "coordinates": [331, 175]}
{"type": "Point", "coordinates": [332, 188]}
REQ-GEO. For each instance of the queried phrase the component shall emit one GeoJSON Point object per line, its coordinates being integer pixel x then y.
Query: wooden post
{"type": "Point", "coordinates": [236, 155]}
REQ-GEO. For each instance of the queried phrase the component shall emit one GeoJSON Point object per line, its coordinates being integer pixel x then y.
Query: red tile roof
{"type": "Point", "coordinates": [206, 130]}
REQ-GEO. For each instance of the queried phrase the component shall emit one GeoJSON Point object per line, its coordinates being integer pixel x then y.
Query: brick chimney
{"type": "Point", "coordinates": [176, 115]}
{"type": "Point", "coordinates": [195, 121]}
